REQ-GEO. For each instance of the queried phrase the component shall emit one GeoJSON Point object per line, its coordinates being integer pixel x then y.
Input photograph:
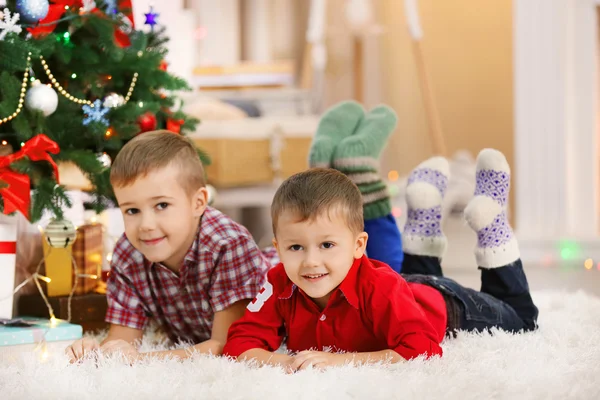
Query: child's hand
{"type": "Point", "coordinates": [128, 351]}
{"type": "Point", "coordinates": [316, 359]}
{"type": "Point", "coordinates": [80, 348]}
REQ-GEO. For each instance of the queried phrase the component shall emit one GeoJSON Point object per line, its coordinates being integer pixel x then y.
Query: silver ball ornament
{"type": "Point", "coordinates": [104, 159]}
{"type": "Point", "coordinates": [113, 100]}
{"type": "Point", "coordinates": [32, 11]}
{"type": "Point", "coordinates": [60, 233]}
{"type": "Point", "coordinates": [41, 98]}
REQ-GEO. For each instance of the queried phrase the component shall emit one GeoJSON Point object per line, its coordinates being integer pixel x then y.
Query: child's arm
{"type": "Point", "coordinates": [265, 357]}
{"type": "Point", "coordinates": [320, 359]}
{"type": "Point", "coordinates": [259, 333]}
{"type": "Point", "coordinates": [125, 314]}
{"type": "Point", "coordinates": [400, 321]}
{"type": "Point", "coordinates": [81, 347]}
{"type": "Point", "coordinates": [221, 323]}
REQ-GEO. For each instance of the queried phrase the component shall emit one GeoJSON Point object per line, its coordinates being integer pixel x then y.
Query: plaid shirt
{"type": "Point", "coordinates": [223, 266]}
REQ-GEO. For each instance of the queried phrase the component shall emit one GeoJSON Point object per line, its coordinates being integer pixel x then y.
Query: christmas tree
{"type": "Point", "coordinates": [77, 81]}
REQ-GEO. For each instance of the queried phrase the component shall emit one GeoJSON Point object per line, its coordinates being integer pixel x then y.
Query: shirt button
{"type": "Point", "coordinates": [323, 317]}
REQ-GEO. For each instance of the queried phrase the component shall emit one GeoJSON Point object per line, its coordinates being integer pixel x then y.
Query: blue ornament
{"type": "Point", "coordinates": [32, 11]}
{"type": "Point", "coordinates": [97, 113]}
{"type": "Point", "coordinates": [111, 6]}
{"type": "Point", "coordinates": [151, 18]}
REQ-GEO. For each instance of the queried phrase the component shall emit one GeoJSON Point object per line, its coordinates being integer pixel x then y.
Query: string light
{"type": "Point", "coordinates": [73, 75]}
{"type": "Point", "coordinates": [108, 133]}
{"type": "Point", "coordinates": [4, 143]}
{"type": "Point", "coordinates": [589, 263]}
{"type": "Point", "coordinates": [22, 95]}
{"type": "Point", "coordinates": [44, 278]}
{"type": "Point", "coordinates": [141, 104]}
{"type": "Point", "coordinates": [393, 175]}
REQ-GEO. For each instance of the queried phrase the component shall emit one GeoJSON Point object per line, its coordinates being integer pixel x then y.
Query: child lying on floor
{"type": "Point", "coordinates": [332, 304]}
{"type": "Point", "coordinates": [186, 265]}
{"type": "Point", "coordinates": [180, 262]}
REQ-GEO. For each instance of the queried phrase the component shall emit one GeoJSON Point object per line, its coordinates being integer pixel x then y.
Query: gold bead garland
{"type": "Point", "coordinates": [60, 89]}
{"type": "Point", "coordinates": [74, 99]}
{"type": "Point", "coordinates": [22, 96]}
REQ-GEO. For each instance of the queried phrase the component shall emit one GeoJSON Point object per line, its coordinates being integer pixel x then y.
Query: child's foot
{"type": "Point", "coordinates": [357, 156]}
{"type": "Point", "coordinates": [336, 124]}
{"type": "Point", "coordinates": [485, 213]}
{"type": "Point", "coordinates": [492, 176]}
{"type": "Point", "coordinates": [424, 193]}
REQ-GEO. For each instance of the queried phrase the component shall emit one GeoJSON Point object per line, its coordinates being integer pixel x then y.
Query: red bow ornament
{"type": "Point", "coordinates": [17, 195]}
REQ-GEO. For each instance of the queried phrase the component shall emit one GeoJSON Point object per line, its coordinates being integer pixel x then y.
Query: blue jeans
{"type": "Point", "coordinates": [504, 300]}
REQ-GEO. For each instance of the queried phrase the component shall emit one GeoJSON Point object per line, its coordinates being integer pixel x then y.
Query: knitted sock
{"type": "Point", "coordinates": [338, 122]}
{"type": "Point", "coordinates": [358, 157]}
{"type": "Point", "coordinates": [493, 176]}
{"type": "Point", "coordinates": [485, 213]}
{"type": "Point", "coordinates": [426, 187]}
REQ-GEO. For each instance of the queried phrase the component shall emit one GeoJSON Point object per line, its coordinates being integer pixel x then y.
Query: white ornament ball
{"type": "Point", "coordinates": [113, 100]}
{"type": "Point", "coordinates": [60, 233]}
{"type": "Point", "coordinates": [212, 194]}
{"type": "Point", "coordinates": [41, 98]}
{"type": "Point", "coordinates": [32, 11]}
{"type": "Point", "coordinates": [104, 159]}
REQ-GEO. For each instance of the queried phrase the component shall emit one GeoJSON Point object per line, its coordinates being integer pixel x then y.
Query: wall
{"type": "Point", "coordinates": [468, 48]}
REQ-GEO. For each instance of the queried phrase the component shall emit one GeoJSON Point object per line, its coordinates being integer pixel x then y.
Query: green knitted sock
{"type": "Point", "coordinates": [337, 123]}
{"type": "Point", "coordinates": [358, 157]}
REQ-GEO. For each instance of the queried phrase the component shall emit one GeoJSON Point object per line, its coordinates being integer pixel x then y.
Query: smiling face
{"type": "Point", "coordinates": [317, 253]}
{"type": "Point", "coordinates": [161, 217]}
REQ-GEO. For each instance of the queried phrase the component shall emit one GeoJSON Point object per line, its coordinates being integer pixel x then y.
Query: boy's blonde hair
{"type": "Point", "coordinates": [313, 192]}
{"type": "Point", "coordinates": [154, 150]}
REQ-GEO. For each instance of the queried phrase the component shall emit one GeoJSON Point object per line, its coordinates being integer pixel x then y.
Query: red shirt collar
{"type": "Point", "coordinates": [347, 287]}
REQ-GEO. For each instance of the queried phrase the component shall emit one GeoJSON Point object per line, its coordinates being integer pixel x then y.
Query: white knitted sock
{"type": "Point", "coordinates": [427, 184]}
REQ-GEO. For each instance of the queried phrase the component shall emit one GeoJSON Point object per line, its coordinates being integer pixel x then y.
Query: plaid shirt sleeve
{"type": "Point", "coordinates": [239, 274]}
{"type": "Point", "coordinates": [124, 305]}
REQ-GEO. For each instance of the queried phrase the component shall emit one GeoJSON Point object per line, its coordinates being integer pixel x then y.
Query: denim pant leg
{"type": "Point", "coordinates": [509, 285]}
{"type": "Point", "coordinates": [421, 265]}
{"type": "Point", "coordinates": [385, 241]}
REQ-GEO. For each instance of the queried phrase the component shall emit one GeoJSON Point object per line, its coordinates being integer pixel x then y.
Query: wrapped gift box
{"type": "Point", "coordinates": [8, 251]}
{"type": "Point", "coordinates": [26, 333]}
{"type": "Point", "coordinates": [255, 150]}
{"type": "Point", "coordinates": [88, 251]}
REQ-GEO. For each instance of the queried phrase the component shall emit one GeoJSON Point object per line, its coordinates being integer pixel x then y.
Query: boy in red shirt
{"type": "Point", "coordinates": [332, 304]}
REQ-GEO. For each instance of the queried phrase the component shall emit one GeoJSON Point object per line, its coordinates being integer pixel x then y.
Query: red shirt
{"type": "Point", "coordinates": [373, 309]}
{"type": "Point", "coordinates": [223, 266]}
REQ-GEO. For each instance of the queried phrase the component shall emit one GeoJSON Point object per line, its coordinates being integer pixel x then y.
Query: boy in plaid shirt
{"type": "Point", "coordinates": [180, 262]}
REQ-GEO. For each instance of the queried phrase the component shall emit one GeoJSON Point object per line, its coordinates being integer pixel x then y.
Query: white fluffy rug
{"type": "Point", "coordinates": [559, 361]}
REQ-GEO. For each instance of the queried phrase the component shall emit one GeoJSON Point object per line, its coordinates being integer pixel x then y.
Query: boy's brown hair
{"type": "Point", "coordinates": [154, 150]}
{"type": "Point", "coordinates": [316, 191]}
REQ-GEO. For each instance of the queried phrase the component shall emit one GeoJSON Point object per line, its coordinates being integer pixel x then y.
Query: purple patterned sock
{"type": "Point", "coordinates": [494, 184]}
{"type": "Point", "coordinates": [495, 234]}
{"type": "Point", "coordinates": [426, 187]}
{"type": "Point", "coordinates": [493, 176]}
{"type": "Point", "coordinates": [432, 176]}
